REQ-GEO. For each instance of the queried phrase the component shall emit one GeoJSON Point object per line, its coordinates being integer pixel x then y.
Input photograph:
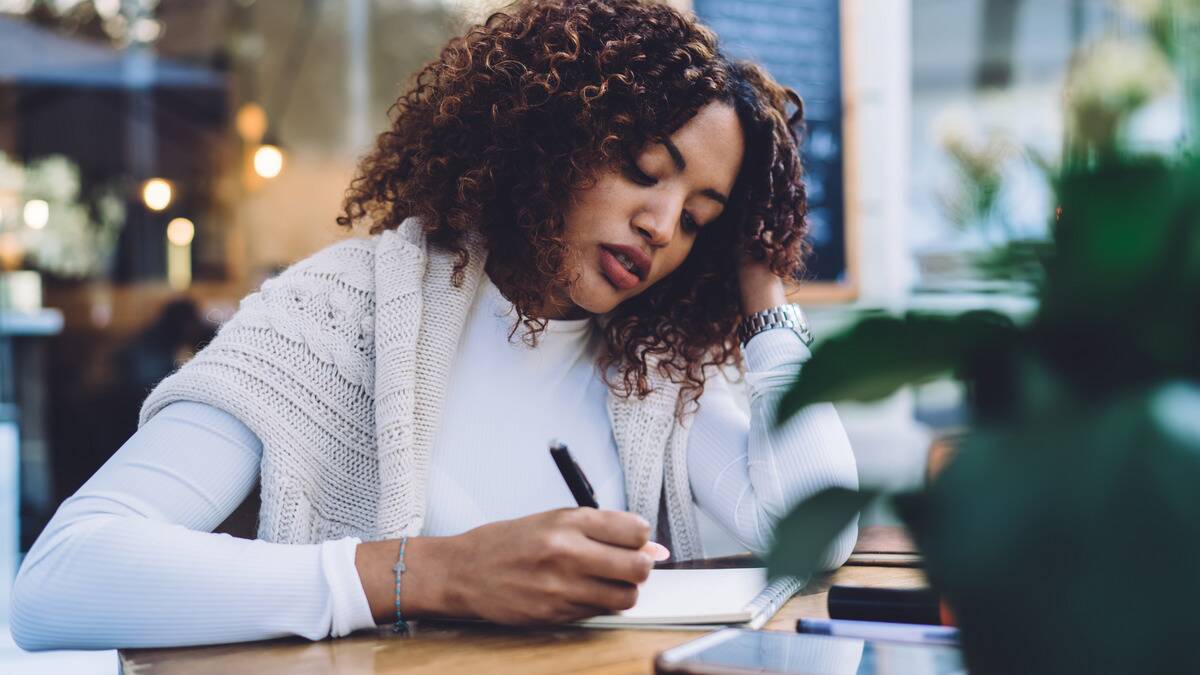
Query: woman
{"type": "Point", "coordinates": [576, 206]}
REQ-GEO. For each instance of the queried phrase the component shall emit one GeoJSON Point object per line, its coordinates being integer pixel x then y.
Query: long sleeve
{"type": "Point", "coordinates": [130, 560]}
{"type": "Point", "coordinates": [746, 474]}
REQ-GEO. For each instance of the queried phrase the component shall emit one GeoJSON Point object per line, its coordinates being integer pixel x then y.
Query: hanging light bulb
{"type": "Point", "coordinates": [268, 158]}
{"type": "Point", "coordinates": [36, 213]}
{"type": "Point", "coordinates": [181, 231]}
{"type": "Point", "coordinates": [251, 122]}
{"type": "Point", "coordinates": [157, 194]}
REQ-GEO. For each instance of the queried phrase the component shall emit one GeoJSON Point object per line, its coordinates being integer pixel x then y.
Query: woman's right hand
{"type": "Point", "coordinates": [550, 567]}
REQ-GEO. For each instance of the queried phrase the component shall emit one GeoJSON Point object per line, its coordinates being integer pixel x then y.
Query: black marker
{"type": "Point", "coordinates": [573, 475]}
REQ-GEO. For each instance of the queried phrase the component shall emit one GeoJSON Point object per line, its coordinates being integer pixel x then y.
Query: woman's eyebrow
{"type": "Point", "coordinates": [681, 165]}
{"type": "Point", "coordinates": [676, 156]}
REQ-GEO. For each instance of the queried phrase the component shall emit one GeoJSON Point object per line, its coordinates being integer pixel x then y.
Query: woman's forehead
{"type": "Point", "coordinates": [710, 146]}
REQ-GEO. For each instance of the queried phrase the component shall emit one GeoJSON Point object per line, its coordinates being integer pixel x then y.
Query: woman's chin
{"type": "Point", "coordinates": [595, 308]}
{"type": "Point", "coordinates": [598, 301]}
{"type": "Point", "coordinates": [595, 294]}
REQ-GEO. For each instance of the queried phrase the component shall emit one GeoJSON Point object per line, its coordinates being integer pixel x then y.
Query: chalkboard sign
{"type": "Point", "coordinates": [800, 43]}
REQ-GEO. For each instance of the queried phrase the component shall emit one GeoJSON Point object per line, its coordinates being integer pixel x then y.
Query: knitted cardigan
{"type": "Point", "coordinates": [340, 365]}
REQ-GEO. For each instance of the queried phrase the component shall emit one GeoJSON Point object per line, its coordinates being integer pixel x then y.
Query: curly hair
{"type": "Point", "coordinates": [497, 132]}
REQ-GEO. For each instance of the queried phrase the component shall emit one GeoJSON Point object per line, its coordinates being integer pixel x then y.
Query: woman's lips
{"type": "Point", "coordinates": [615, 272]}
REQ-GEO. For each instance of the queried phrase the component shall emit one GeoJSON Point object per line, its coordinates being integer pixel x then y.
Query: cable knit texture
{"type": "Point", "coordinates": [340, 365]}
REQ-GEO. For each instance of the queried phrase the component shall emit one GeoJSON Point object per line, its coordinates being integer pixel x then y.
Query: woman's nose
{"type": "Point", "coordinates": [655, 228]}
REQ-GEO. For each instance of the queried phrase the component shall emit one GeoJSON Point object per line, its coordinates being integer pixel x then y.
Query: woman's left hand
{"type": "Point", "coordinates": [760, 287]}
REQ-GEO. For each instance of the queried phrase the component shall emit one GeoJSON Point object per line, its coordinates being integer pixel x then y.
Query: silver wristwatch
{"type": "Point", "coordinates": [783, 316]}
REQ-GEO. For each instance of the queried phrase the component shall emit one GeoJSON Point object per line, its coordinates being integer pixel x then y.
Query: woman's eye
{"type": "Point", "coordinates": [689, 223]}
{"type": "Point", "coordinates": [637, 175]}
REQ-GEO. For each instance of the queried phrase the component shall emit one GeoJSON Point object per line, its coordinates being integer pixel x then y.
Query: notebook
{"type": "Point", "coordinates": [696, 598]}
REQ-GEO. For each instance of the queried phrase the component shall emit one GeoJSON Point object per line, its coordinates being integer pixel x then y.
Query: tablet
{"type": "Point", "coordinates": [738, 652]}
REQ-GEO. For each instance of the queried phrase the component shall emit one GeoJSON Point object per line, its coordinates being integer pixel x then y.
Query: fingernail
{"type": "Point", "coordinates": [658, 551]}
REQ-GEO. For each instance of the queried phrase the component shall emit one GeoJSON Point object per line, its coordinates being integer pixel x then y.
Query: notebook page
{"type": "Point", "coordinates": [692, 596]}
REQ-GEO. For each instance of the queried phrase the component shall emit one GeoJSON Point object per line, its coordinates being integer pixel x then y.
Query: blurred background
{"type": "Point", "coordinates": [160, 158]}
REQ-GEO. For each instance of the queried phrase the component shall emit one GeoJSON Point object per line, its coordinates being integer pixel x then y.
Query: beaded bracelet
{"type": "Point", "coordinates": [401, 626]}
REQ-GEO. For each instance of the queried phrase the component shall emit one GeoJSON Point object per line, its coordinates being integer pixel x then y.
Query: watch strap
{"type": "Point", "coordinates": [783, 316]}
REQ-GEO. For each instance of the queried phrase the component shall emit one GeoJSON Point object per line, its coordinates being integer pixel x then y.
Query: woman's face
{"type": "Point", "coordinates": [632, 228]}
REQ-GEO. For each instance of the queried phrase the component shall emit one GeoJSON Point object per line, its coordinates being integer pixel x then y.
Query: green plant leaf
{"type": "Point", "coordinates": [881, 354]}
{"type": "Point", "coordinates": [1122, 295]}
{"type": "Point", "coordinates": [804, 534]}
{"type": "Point", "coordinates": [1074, 534]}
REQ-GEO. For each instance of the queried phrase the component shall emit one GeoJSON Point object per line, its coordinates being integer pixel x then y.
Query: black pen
{"type": "Point", "coordinates": [573, 475]}
{"type": "Point", "coordinates": [581, 488]}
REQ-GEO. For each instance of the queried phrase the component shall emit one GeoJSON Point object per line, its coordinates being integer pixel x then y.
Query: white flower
{"type": "Point", "coordinates": [953, 127]}
{"type": "Point", "coordinates": [1109, 81]}
{"type": "Point", "coordinates": [1119, 73]}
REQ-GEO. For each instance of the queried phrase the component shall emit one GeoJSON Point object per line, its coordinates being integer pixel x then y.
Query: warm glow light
{"type": "Point", "coordinates": [251, 122]}
{"type": "Point", "coordinates": [37, 213]}
{"type": "Point", "coordinates": [268, 161]}
{"type": "Point", "coordinates": [12, 251]}
{"type": "Point", "coordinates": [157, 194]}
{"type": "Point", "coordinates": [180, 231]}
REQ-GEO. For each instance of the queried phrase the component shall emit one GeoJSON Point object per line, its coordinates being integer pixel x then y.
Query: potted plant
{"type": "Point", "coordinates": [987, 251]}
{"type": "Point", "coordinates": [1065, 532]}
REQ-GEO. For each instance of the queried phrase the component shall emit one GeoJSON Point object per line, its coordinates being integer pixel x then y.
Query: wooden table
{"type": "Point", "coordinates": [444, 647]}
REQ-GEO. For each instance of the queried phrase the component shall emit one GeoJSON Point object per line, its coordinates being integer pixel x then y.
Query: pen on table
{"type": "Point", "coordinates": [880, 630]}
{"type": "Point", "coordinates": [581, 488]}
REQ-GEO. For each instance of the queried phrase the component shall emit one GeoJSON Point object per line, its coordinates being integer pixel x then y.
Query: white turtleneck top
{"type": "Point", "coordinates": [130, 559]}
